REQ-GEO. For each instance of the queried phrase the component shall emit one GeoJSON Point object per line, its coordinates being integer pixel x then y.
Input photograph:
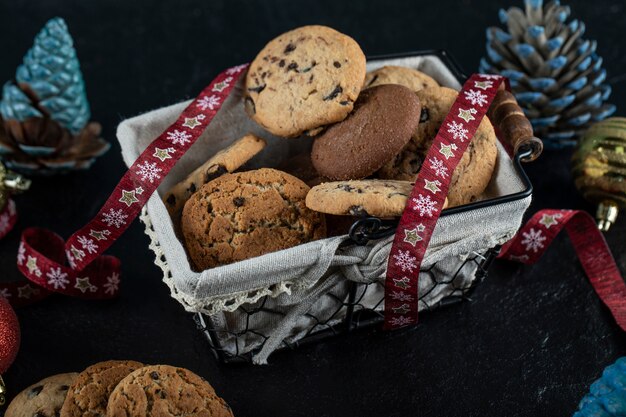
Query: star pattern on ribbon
{"type": "Point", "coordinates": [427, 199]}
{"type": "Point", "coordinates": [93, 275]}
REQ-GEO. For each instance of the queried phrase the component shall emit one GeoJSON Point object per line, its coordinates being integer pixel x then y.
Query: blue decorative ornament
{"type": "Point", "coordinates": [556, 75]}
{"type": "Point", "coordinates": [44, 112]}
{"type": "Point", "coordinates": [607, 395]}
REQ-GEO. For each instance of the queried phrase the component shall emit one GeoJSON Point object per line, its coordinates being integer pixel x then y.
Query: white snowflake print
{"type": "Point", "coordinates": [476, 97]}
{"type": "Point", "coordinates": [533, 240]}
{"type": "Point", "coordinates": [4, 292]}
{"type": "Point", "coordinates": [148, 171]}
{"type": "Point", "coordinates": [115, 218]}
{"type": "Point", "coordinates": [87, 244]}
{"type": "Point", "coordinates": [4, 224]}
{"type": "Point", "coordinates": [438, 167]}
{"type": "Point", "coordinates": [457, 131]}
{"type": "Point", "coordinates": [56, 278]}
{"type": "Point", "coordinates": [234, 70]}
{"type": "Point", "coordinates": [112, 284]}
{"type": "Point", "coordinates": [490, 76]}
{"type": "Point", "coordinates": [208, 102]}
{"type": "Point", "coordinates": [405, 261]}
{"type": "Point", "coordinates": [425, 205]}
{"type": "Point", "coordinates": [401, 321]}
{"type": "Point", "coordinates": [178, 138]}
{"type": "Point", "coordinates": [401, 296]}
{"type": "Point", "coordinates": [21, 254]}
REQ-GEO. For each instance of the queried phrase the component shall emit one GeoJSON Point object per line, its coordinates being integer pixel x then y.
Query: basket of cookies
{"type": "Point", "coordinates": [276, 228]}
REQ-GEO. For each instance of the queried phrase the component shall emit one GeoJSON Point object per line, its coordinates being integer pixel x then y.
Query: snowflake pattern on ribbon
{"type": "Point", "coordinates": [476, 97]}
{"type": "Point", "coordinates": [112, 284]}
{"type": "Point", "coordinates": [405, 261]}
{"type": "Point", "coordinates": [88, 244]}
{"type": "Point", "coordinates": [208, 103]}
{"type": "Point", "coordinates": [148, 171]}
{"type": "Point", "coordinates": [57, 278]}
{"type": "Point", "coordinates": [401, 296]}
{"type": "Point", "coordinates": [21, 254]}
{"type": "Point", "coordinates": [425, 205]}
{"type": "Point", "coordinates": [178, 137]}
{"type": "Point", "coordinates": [533, 240]}
{"type": "Point", "coordinates": [115, 218]}
{"type": "Point", "coordinates": [458, 131]}
{"type": "Point", "coordinates": [401, 321]}
{"type": "Point", "coordinates": [438, 166]}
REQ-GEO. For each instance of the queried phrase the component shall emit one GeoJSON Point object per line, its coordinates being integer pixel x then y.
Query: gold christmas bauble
{"type": "Point", "coordinates": [10, 183]}
{"type": "Point", "coordinates": [599, 168]}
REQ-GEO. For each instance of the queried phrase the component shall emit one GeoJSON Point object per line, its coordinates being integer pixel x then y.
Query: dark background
{"type": "Point", "coordinates": [528, 344]}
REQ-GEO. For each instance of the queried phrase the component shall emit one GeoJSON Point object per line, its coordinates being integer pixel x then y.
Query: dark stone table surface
{"type": "Point", "coordinates": [529, 342]}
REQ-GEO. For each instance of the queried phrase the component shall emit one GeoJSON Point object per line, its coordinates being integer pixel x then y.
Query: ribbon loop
{"type": "Point", "coordinates": [43, 254]}
{"type": "Point", "coordinates": [533, 239]}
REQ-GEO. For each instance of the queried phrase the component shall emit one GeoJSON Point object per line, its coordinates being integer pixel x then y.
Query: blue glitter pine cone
{"type": "Point", "coordinates": [44, 112]}
{"type": "Point", "coordinates": [607, 395]}
{"type": "Point", "coordinates": [556, 75]}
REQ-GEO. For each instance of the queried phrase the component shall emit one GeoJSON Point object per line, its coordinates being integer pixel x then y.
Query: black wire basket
{"type": "Point", "coordinates": [235, 335]}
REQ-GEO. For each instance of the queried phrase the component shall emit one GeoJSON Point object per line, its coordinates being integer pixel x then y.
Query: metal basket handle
{"type": "Point", "coordinates": [514, 126]}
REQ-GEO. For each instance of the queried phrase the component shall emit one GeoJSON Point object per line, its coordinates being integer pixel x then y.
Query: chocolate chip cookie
{"type": "Point", "coordinates": [303, 79]}
{"type": "Point", "coordinates": [43, 399]}
{"type": "Point", "coordinates": [226, 160]}
{"type": "Point", "coordinates": [247, 214]}
{"type": "Point", "coordinates": [413, 79]}
{"type": "Point", "coordinates": [475, 169]}
{"type": "Point", "coordinates": [383, 120]}
{"type": "Point", "coordinates": [379, 198]}
{"type": "Point", "coordinates": [163, 391]}
{"type": "Point", "coordinates": [89, 394]}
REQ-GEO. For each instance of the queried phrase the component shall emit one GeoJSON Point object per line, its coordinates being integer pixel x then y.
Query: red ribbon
{"type": "Point", "coordinates": [8, 218]}
{"type": "Point", "coordinates": [43, 254]}
{"type": "Point", "coordinates": [427, 198]}
{"type": "Point", "coordinates": [593, 252]}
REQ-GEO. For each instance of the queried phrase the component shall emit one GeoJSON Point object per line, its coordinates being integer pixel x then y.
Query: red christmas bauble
{"type": "Point", "coordinates": [9, 335]}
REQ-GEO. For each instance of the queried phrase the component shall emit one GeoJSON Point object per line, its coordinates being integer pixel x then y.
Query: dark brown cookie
{"type": "Point", "coordinates": [243, 215]}
{"type": "Point", "coordinates": [304, 79]}
{"type": "Point", "coordinates": [43, 399]}
{"type": "Point", "coordinates": [89, 394]}
{"type": "Point", "coordinates": [383, 120]}
{"type": "Point", "coordinates": [165, 391]}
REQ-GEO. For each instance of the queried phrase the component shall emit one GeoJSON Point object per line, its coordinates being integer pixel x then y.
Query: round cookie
{"type": "Point", "coordinates": [474, 171]}
{"type": "Point", "coordinates": [391, 74]}
{"type": "Point", "coordinates": [303, 79]}
{"type": "Point", "coordinates": [379, 198]}
{"type": "Point", "coordinates": [247, 214]}
{"type": "Point", "coordinates": [89, 394]}
{"type": "Point", "coordinates": [383, 120]}
{"type": "Point", "coordinates": [43, 399]}
{"type": "Point", "coordinates": [163, 390]}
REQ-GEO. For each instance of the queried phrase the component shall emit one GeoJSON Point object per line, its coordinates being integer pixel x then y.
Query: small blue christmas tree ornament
{"type": "Point", "coordinates": [44, 113]}
{"type": "Point", "coordinates": [556, 75]}
{"type": "Point", "coordinates": [607, 395]}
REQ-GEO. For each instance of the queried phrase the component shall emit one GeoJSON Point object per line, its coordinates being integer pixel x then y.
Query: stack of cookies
{"type": "Point", "coordinates": [368, 136]}
{"type": "Point", "coordinates": [120, 388]}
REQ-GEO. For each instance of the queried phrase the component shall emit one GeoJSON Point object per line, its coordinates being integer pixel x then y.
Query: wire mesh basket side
{"type": "Point", "coordinates": [359, 306]}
